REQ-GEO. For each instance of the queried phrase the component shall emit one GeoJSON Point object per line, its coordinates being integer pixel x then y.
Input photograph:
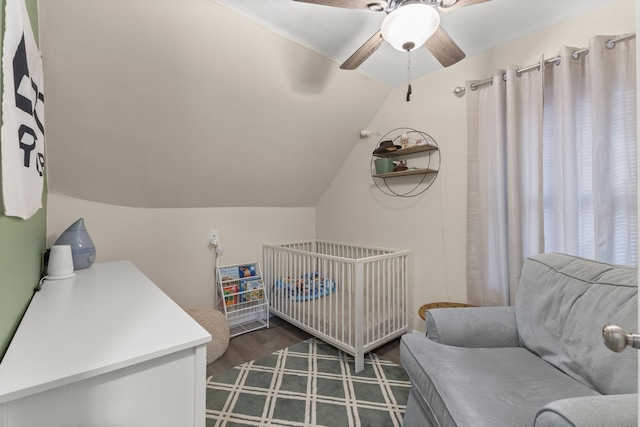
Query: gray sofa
{"type": "Point", "coordinates": [541, 362]}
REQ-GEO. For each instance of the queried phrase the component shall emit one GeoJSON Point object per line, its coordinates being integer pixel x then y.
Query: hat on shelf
{"type": "Point", "coordinates": [385, 147]}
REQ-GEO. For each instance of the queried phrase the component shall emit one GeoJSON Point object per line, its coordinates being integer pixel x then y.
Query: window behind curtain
{"type": "Point", "coordinates": [571, 217]}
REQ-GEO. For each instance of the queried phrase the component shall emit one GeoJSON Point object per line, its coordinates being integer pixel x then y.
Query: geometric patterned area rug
{"type": "Point", "coordinates": [308, 384]}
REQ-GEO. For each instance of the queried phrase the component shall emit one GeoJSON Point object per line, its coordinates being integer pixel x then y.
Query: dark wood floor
{"type": "Point", "coordinates": [280, 334]}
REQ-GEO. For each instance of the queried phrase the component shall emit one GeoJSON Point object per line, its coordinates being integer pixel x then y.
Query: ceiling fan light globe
{"type": "Point", "coordinates": [410, 24]}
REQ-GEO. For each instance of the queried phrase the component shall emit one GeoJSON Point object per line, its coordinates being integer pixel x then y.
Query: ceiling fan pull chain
{"type": "Point", "coordinates": [409, 76]}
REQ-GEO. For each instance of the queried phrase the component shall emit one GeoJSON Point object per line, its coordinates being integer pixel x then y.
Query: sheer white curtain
{"type": "Point", "coordinates": [552, 166]}
{"type": "Point", "coordinates": [590, 183]}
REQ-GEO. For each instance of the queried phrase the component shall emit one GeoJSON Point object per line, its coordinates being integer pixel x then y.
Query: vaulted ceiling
{"type": "Point", "coordinates": [165, 103]}
{"type": "Point", "coordinates": [338, 32]}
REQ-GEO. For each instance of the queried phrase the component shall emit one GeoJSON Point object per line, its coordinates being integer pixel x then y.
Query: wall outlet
{"type": "Point", "coordinates": [214, 237]}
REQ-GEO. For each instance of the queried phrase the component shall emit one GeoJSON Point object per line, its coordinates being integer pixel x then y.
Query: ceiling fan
{"type": "Point", "coordinates": [408, 25]}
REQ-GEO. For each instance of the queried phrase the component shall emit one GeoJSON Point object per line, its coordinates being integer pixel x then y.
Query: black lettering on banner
{"type": "Point", "coordinates": [39, 97]}
{"type": "Point", "coordinates": [24, 103]}
{"type": "Point", "coordinates": [40, 164]}
{"type": "Point", "coordinates": [21, 70]}
{"type": "Point", "coordinates": [28, 148]}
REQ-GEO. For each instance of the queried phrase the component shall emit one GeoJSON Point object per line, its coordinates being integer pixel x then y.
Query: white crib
{"type": "Point", "coordinates": [350, 296]}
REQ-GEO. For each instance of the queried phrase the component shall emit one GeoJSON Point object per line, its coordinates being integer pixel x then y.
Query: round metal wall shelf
{"type": "Point", "coordinates": [413, 180]}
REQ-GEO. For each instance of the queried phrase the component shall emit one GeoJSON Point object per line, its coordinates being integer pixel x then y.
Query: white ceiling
{"type": "Point", "coordinates": [149, 105]}
{"type": "Point", "coordinates": [188, 104]}
{"type": "Point", "coordinates": [338, 32]}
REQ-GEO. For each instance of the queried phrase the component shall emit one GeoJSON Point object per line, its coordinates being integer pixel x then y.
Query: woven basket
{"type": "Point", "coordinates": [426, 307]}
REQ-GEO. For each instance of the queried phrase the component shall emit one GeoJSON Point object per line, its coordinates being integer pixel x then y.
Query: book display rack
{"type": "Point", "coordinates": [242, 297]}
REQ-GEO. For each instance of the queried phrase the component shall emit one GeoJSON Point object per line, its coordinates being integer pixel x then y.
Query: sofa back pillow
{"type": "Point", "coordinates": [562, 303]}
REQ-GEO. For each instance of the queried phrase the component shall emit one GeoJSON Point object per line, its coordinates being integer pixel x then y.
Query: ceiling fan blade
{"type": "Point", "coordinates": [364, 52]}
{"type": "Point", "coordinates": [458, 4]}
{"type": "Point", "coordinates": [349, 4]}
{"type": "Point", "coordinates": [442, 46]}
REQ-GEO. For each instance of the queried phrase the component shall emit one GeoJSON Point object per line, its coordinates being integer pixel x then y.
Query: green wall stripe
{"type": "Point", "coordinates": [22, 244]}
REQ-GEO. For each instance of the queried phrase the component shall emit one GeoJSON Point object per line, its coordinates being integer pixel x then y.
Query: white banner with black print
{"type": "Point", "coordinates": [22, 133]}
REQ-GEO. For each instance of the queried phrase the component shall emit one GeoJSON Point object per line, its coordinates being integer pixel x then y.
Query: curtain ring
{"type": "Point", "coordinates": [576, 54]}
{"type": "Point", "coordinates": [610, 44]}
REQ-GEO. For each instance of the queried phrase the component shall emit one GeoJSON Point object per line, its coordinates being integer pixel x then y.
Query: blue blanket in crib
{"type": "Point", "coordinates": [306, 287]}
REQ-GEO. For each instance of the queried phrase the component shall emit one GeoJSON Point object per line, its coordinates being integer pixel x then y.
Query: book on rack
{"type": "Point", "coordinates": [248, 270]}
{"type": "Point", "coordinates": [253, 289]}
{"type": "Point", "coordinates": [231, 294]}
{"type": "Point", "coordinates": [229, 273]}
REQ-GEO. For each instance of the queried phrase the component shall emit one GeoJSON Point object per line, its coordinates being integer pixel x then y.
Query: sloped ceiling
{"type": "Point", "coordinates": [164, 103]}
{"type": "Point", "coordinates": [188, 103]}
{"type": "Point", "coordinates": [338, 32]}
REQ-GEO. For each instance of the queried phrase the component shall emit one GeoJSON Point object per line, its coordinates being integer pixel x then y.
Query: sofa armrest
{"type": "Point", "coordinates": [590, 411]}
{"type": "Point", "coordinates": [473, 326]}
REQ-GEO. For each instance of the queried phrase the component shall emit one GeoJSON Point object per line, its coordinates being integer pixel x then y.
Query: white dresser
{"type": "Point", "coordinates": [104, 348]}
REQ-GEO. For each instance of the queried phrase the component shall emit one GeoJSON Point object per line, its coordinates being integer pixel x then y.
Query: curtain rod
{"type": "Point", "coordinates": [460, 90]}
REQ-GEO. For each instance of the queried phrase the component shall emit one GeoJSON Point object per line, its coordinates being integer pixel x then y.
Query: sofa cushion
{"type": "Point", "coordinates": [473, 326]}
{"type": "Point", "coordinates": [483, 386]}
{"type": "Point", "coordinates": [563, 302]}
{"type": "Point", "coordinates": [593, 411]}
